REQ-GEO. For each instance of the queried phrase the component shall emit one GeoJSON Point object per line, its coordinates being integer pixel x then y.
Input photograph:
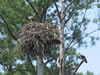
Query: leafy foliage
{"type": "Point", "coordinates": [16, 12]}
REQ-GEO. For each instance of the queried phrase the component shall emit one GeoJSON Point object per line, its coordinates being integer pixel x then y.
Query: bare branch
{"type": "Point", "coordinates": [77, 67]}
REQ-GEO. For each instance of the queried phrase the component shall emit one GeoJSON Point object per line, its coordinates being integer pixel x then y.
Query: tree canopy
{"type": "Point", "coordinates": [14, 14]}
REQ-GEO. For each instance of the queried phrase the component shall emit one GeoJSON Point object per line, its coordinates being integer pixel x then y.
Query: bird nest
{"type": "Point", "coordinates": [36, 37]}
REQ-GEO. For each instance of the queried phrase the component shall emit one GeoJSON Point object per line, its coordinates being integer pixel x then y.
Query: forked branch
{"type": "Point", "coordinates": [68, 5]}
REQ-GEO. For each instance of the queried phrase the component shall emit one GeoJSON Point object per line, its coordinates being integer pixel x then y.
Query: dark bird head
{"type": "Point", "coordinates": [82, 57]}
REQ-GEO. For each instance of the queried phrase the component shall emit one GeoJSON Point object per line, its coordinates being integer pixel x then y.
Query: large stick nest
{"type": "Point", "coordinates": [36, 37]}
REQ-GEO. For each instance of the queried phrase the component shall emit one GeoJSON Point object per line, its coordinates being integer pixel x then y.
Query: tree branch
{"type": "Point", "coordinates": [85, 36]}
{"type": "Point", "coordinates": [44, 10]}
{"type": "Point", "coordinates": [49, 61]}
{"type": "Point", "coordinates": [30, 61]}
{"type": "Point", "coordinates": [79, 27]}
{"type": "Point", "coordinates": [51, 72]}
{"type": "Point", "coordinates": [69, 17]}
{"type": "Point", "coordinates": [57, 10]}
{"type": "Point", "coordinates": [68, 5]}
{"type": "Point", "coordinates": [83, 18]}
{"type": "Point", "coordinates": [79, 66]}
{"type": "Point", "coordinates": [7, 26]}
{"type": "Point", "coordinates": [33, 9]}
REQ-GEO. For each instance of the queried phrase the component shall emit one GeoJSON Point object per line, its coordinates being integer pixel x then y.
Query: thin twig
{"type": "Point", "coordinates": [79, 27]}
{"type": "Point", "coordinates": [70, 15]}
{"type": "Point", "coordinates": [83, 18]}
{"type": "Point", "coordinates": [84, 36]}
{"type": "Point", "coordinates": [68, 5]}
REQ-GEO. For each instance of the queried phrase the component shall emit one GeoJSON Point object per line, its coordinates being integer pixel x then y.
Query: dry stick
{"type": "Point", "coordinates": [78, 66]}
{"type": "Point", "coordinates": [33, 9]}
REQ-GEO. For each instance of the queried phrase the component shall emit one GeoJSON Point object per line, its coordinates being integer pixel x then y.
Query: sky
{"type": "Point", "coordinates": [92, 53]}
{"type": "Point", "coordinates": [93, 57]}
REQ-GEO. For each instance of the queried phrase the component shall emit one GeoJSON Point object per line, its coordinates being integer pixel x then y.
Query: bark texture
{"type": "Point", "coordinates": [40, 66]}
{"type": "Point", "coordinates": [62, 41]}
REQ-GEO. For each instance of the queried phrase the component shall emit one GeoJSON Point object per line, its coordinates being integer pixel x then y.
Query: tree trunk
{"type": "Point", "coordinates": [10, 71]}
{"type": "Point", "coordinates": [40, 66]}
{"type": "Point", "coordinates": [62, 41]}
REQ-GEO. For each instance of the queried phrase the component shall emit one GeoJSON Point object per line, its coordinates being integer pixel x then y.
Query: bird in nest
{"type": "Point", "coordinates": [31, 18]}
